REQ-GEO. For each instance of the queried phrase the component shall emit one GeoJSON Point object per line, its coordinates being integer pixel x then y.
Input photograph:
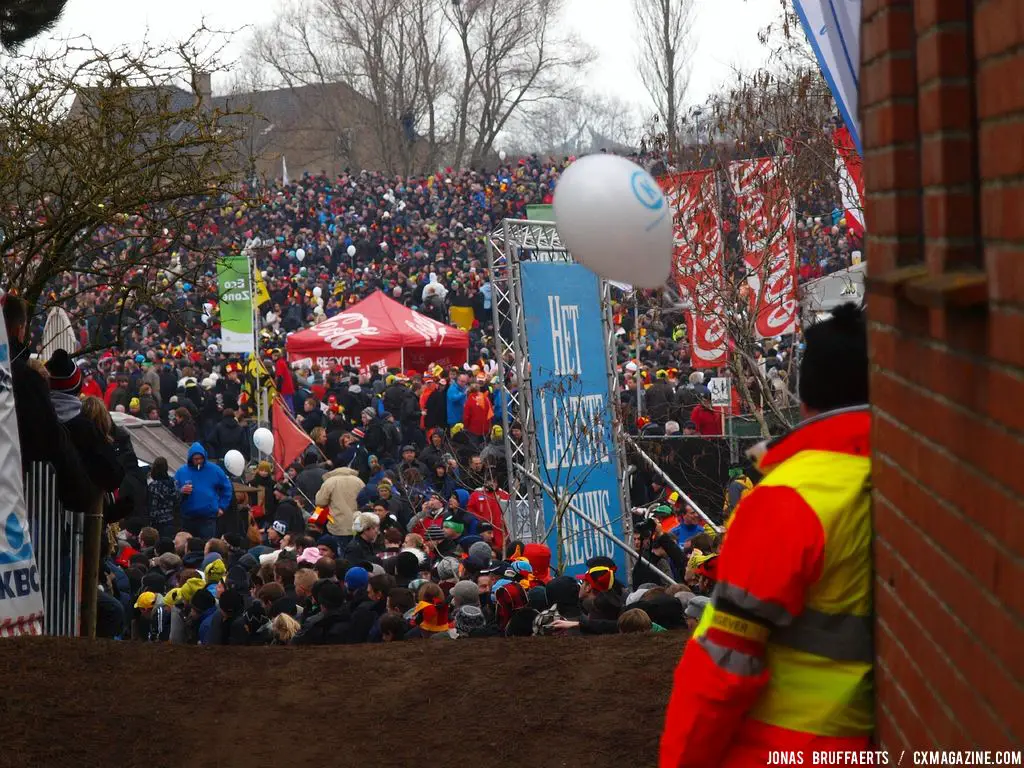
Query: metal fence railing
{"type": "Point", "coordinates": [57, 538]}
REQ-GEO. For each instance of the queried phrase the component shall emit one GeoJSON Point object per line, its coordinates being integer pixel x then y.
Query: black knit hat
{"type": "Point", "coordinates": [203, 601]}
{"type": "Point", "coordinates": [64, 374]}
{"type": "Point", "coordinates": [834, 370]}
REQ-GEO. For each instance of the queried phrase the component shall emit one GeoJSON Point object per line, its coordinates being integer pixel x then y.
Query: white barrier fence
{"type": "Point", "coordinates": [58, 538]}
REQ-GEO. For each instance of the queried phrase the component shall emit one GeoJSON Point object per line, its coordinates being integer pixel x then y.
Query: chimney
{"type": "Point", "coordinates": [202, 87]}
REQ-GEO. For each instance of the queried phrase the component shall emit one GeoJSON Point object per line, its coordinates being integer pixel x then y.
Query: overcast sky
{"type": "Point", "coordinates": [725, 34]}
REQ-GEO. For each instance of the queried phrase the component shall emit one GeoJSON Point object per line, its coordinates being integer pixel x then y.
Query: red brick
{"type": "Point", "coordinates": [948, 214]}
{"type": "Point", "coordinates": [894, 168]}
{"type": "Point", "coordinates": [892, 123]}
{"type": "Point", "coordinates": [1001, 208]}
{"type": "Point", "coordinates": [945, 105]}
{"type": "Point", "coordinates": [1001, 149]}
{"type": "Point", "coordinates": [989, 622]}
{"type": "Point", "coordinates": [1000, 87]}
{"type": "Point", "coordinates": [997, 27]}
{"type": "Point", "coordinates": [998, 514]}
{"type": "Point", "coordinates": [946, 256]}
{"type": "Point", "coordinates": [956, 650]}
{"type": "Point", "coordinates": [889, 252]}
{"type": "Point", "coordinates": [891, 30]}
{"type": "Point", "coordinates": [907, 674]}
{"type": "Point", "coordinates": [895, 601]}
{"type": "Point", "coordinates": [946, 161]}
{"type": "Point", "coordinates": [943, 53]}
{"type": "Point", "coordinates": [929, 13]}
{"type": "Point", "coordinates": [893, 76]}
{"type": "Point", "coordinates": [894, 213]}
{"type": "Point", "coordinates": [1006, 342]}
{"type": "Point", "coordinates": [984, 446]}
{"type": "Point", "coordinates": [1005, 268]}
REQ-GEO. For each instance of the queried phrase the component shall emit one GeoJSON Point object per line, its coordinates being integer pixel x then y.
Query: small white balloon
{"type": "Point", "coordinates": [318, 291]}
{"type": "Point", "coordinates": [234, 462]}
{"type": "Point", "coordinates": [318, 310]}
{"type": "Point", "coordinates": [502, 155]}
{"type": "Point", "coordinates": [263, 439]}
{"type": "Point", "coordinates": [613, 217]}
{"type": "Point", "coordinates": [351, 251]}
{"type": "Point", "coordinates": [300, 254]}
{"type": "Point", "coordinates": [319, 301]}
{"type": "Point", "coordinates": [383, 246]}
{"type": "Point", "coordinates": [206, 319]}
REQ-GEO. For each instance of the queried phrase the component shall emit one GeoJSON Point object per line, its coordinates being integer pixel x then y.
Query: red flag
{"type": "Point", "coordinates": [289, 439]}
{"type": "Point", "coordinates": [768, 237]}
{"type": "Point", "coordinates": [697, 264]}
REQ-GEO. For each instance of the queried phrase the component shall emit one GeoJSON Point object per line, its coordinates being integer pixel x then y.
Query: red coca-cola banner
{"type": "Point", "coordinates": [850, 170]}
{"type": "Point", "coordinates": [697, 263]}
{"type": "Point", "coordinates": [768, 239]}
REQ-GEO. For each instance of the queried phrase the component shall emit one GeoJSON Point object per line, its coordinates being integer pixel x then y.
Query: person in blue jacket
{"type": "Point", "coordinates": [457, 399]}
{"type": "Point", "coordinates": [205, 493]}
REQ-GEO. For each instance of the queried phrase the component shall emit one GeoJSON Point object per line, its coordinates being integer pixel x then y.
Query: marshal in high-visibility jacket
{"type": "Point", "coordinates": [782, 657]}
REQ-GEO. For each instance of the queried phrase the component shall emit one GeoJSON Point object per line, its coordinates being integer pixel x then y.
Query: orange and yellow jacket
{"type": "Point", "coordinates": [782, 657]}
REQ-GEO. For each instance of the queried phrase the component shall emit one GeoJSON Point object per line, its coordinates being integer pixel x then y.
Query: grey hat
{"type": "Point", "coordinates": [168, 561]}
{"type": "Point", "coordinates": [448, 569]}
{"type": "Point", "coordinates": [468, 618]}
{"type": "Point", "coordinates": [467, 592]}
{"type": "Point", "coordinates": [480, 551]}
{"type": "Point", "coordinates": [368, 412]}
{"type": "Point", "coordinates": [695, 607]}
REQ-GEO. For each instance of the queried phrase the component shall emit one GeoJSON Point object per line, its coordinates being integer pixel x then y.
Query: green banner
{"type": "Point", "coordinates": [235, 290]}
{"type": "Point", "coordinates": [540, 212]}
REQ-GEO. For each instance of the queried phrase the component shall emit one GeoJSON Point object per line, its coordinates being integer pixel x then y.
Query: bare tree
{"type": "Point", "coordinates": [107, 165]}
{"type": "Point", "coordinates": [390, 52]}
{"type": "Point", "coordinates": [578, 125]}
{"type": "Point", "coordinates": [664, 31]}
{"type": "Point", "coordinates": [513, 59]}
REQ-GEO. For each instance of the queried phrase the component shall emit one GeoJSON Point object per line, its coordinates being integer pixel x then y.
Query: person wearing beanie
{"type": "Point", "coordinates": [468, 618]}
{"type": "Point", "coordinates": [204, 606]}
{"type": "Point", "coordinates": [93, 441]}
{"type": "Point", "coordinates": [802, 618]}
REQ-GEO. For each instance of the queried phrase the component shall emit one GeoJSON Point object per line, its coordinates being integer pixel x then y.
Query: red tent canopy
{"type": "Point", "coordinates": [379, 331]}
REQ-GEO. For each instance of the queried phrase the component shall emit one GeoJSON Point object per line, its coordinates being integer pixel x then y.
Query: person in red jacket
{"type": "Point", "coordinates": [478, 413]}
{"type": "Point", "coordinates": [488, 504]}
{"type": "Point", "coordinates": [707, 421]}
{"type": "Point", "coordinates": [781, 662]}
{"type": "Point", "coordinates": [284, 380]}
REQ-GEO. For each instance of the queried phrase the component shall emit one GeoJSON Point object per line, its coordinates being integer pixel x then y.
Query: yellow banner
{"type": "Point", "coordinates": [461, 317]}
{"type": "Point", "coordinates": [261, 295]}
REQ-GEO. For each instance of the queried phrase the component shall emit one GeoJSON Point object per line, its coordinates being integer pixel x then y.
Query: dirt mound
{"type": "Point", "coordinates": [538, 702]}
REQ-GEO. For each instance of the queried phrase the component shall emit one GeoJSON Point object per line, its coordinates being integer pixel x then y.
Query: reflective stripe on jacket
{"type": "Point", "coordinates": [784, 650]}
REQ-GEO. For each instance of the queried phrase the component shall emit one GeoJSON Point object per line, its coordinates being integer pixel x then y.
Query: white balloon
{"type": "Point", "coordinates": [318, 310]}
{"type": "Point", "coordinates": [319, 301]}
{"type": "Point", "coordinates": [351, 251]}
{"type": "Point", "coordinates": [383, 246]}
{"type": "Point", "coordinates": [234, 462]}
{"type": "Point", "coordinates": [263, 439]}
{"type": "Point", "coordinates": [502, 155]}
{"type": "Point", "coordinates": [300, 255]}
{"type": "Point", "coordinates": [318, 291]}
{"type": "Point", "coordinates": [206, 319]}
{"type": "Point", "coordinates": [614, 219]}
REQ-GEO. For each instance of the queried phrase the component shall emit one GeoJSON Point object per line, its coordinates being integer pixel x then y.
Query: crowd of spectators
{"type": "Point", "coordinates": [391, 525]}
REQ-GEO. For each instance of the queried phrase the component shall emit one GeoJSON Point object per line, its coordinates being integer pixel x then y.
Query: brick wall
{"type": "Point", "coordinates": [942, 100]}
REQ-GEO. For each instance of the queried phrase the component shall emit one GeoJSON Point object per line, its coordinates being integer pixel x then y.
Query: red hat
{"type": "Point", "coordinates": [124, 557]}
{"type": "Point", "coordinates": [601, 578]}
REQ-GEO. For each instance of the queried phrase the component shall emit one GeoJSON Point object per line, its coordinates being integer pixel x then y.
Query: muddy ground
{"type": "Point", "coordinates": [529, 703]}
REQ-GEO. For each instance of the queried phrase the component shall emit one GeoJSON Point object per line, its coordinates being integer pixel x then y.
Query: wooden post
{"type": "Point", "coordinates": [91, 567]}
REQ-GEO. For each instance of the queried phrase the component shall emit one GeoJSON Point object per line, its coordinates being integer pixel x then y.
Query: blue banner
{"type": "Point", "coordinates": [833, 30]}
{"type": "Point", "coordinates": [573, 412]}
